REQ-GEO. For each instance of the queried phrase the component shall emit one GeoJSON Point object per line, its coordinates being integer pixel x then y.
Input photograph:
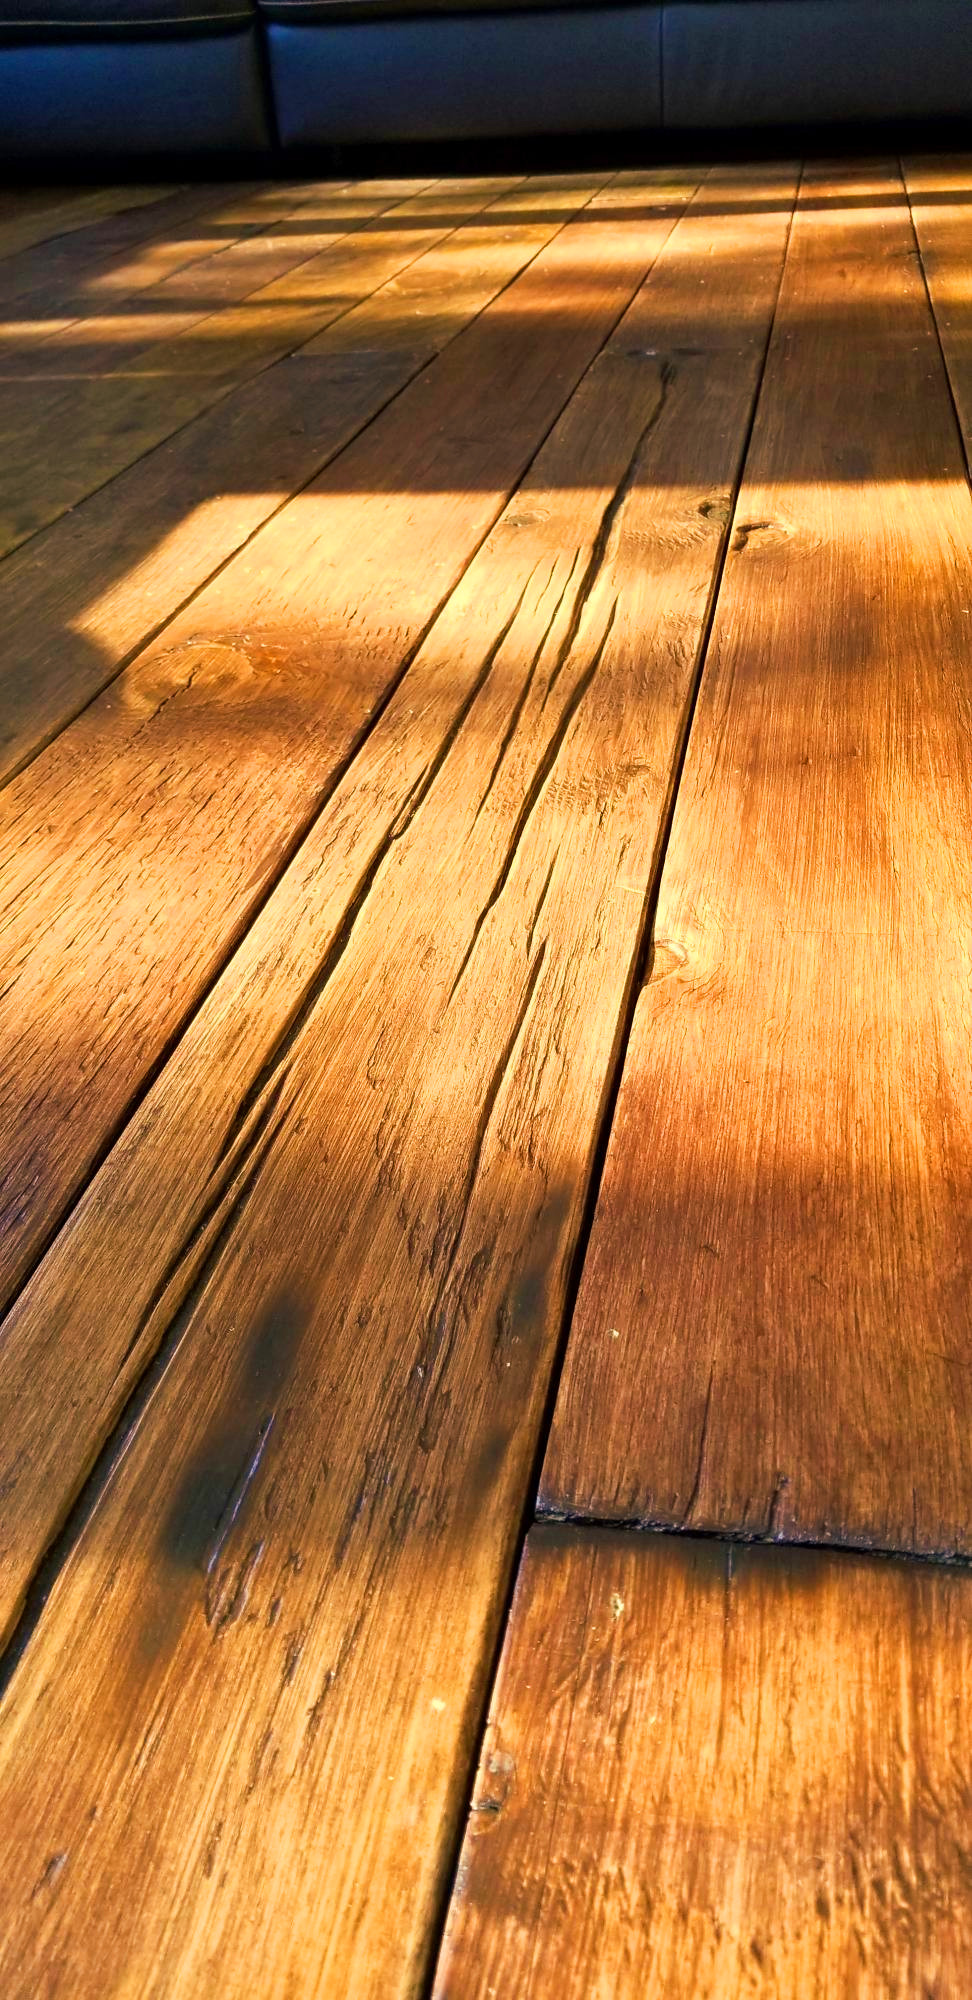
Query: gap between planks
{"type": "Point", "coordinates": [717, 1770]}
{"type": "Point", "coordinates": [136, 553]}
{"type": "Point", "coordinates": [44, 221]}
{"type": "Point", "coordinates": [350, 1470]}
{"type": "Point", "coordinates": [67, 443]}
{"type": "Point", "coordinates": [297, 643]}
{"type": "Point", "coordinates": [781, 1243]}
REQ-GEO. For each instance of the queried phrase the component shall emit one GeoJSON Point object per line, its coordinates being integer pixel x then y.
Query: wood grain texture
{"type": "Point", "coordinates": [95, 586]}
{"type": "Point", "coordinates": [940, 192]}
{"type": "Point", "coordinates": [23, 201]}
{"type": "Point", "coordinates": [358, 1234]}
{"type": "Point", "coordinates": [60, 440]}
{"type": "Point", "coordinates": [714, 1772]}
{"type": "Point", "coordinates": [134, 851]}
{"type": "Point", "coordinates": [66, 278]}
{"type": "Point", "coordinates": [172, 284]}
{"type": "Point", "coordinates": [36, 220]}
{"type": "Point", "coordinates": [772, 1332]}
{"type": "Point", "coordinates": [39, 299]}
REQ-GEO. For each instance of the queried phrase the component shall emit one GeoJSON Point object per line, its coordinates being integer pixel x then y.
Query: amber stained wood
{"type": "Point", "coordinates": [97, 584]}
{"type": "Point", "coordinates": [379, 784]}
{"type": "Point", "coordinates": [60, 440]}
{"type": "Point", "coordinates": [136, 848]}
{"type": "Point", "coordinates": [178, 281]}
{"type": "Point", "coordinates": [26, 223]}
{"type": "Point", "coordinates": [940, 192]}
{"type": "Point", "coordinates": [717, 1771]}
{"type": "Point", "coordinates": [361, 1236]}
{"type": "Point", "coordinates": [53, 283]}
{"type": "Point", "coordinates": [773, 1324]}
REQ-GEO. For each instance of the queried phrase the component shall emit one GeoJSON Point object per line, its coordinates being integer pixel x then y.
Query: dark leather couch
{"type": "Point", "coordinates": [153, 76]}
{"type": "Point", "coordinates": [131, 76]}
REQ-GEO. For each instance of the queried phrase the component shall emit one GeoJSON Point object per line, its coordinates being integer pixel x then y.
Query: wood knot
{"type": "Point", "coordinates": [745, 530]}
{"type": "Point", "coordinates": [666, 957]}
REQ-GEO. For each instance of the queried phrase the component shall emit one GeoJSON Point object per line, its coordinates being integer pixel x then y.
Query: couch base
{"type": "Point", "coordinates": [773, 62]}
{"type": "Point", "coordinates": [692, 65]}
{"type": "Point", "coordinates": [145, 96]}
{"type": "Point", "coordinates": [485, 76]}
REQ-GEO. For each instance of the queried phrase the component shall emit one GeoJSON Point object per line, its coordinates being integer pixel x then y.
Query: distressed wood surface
{"type": "Point", "coordinates": [40, 299]}
{"type": "Point", "coordinates": [136, 848]}
{"type": "Point", "coordinates": [22, 225]}
{"type": "Point", "coordinates": [60, 440]}
{"type": "Point", "coordinates": [23, 202]}
{"type": "Point", "coordinates": [63, 277]}
{"type": "Point", "coordinates": [376, 787]}
{"type": "Point", "coordinates": [268, 267]}
{"type": "Point", "coordinates": [940, 192]}
{"type": "Point", "coordinates": [175, 283]}
{"type": "Point", "coordinates": [91, 590]}
{"type": "Point", "coordinates": [772, 1332]}
{"type": "Point", "coordinates": [714, 1772]}
{"type": "Point", "coordinates": [358, 1253]}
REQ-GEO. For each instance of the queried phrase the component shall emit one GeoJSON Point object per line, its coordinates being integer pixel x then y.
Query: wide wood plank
{"type": "Point", "coordinates": [20, 203]}
{"type": "Point", "coordinates": [96, 585]}
{"type": "Point", "coordinates": [25, 200]}
{"type": "Point", "coordinates": [712, 1772]}
{"type": "Point", "coordinates": [136, 848]}
{"type": "Point", "coordinates": [37, 221]}
{"type": "Point", "coordinates": [772, 1330]}
{"type": "Point", "coordinates": [398, 541]}
{"type": "Point", "coordinates": [940, 192]}
{"type": "Point", "coordinates": [63, 440]}
{"type": "Point", "coordinates": [166, 284]}
{"type": "Point", "coordinates": [59, 280]}
{"type": "Point", "coordinates": [358, 1246]}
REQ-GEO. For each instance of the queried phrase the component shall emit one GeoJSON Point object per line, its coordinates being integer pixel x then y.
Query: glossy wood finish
{"type": "Point", "coordinates": [713, 1772]}
{"type": "Point", "coordinates": [360, 1180]}
{"type": "Point", "coordinates": [772, 1332]}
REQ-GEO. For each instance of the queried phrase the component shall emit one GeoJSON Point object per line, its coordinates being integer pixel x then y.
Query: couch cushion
{"type": "Point", "coordinates": [133, 95]}
{"type": "Point", "coordinates": [303, 11]}
{"type": "Point", "coordinates": [757, 62]}
{"type": "Point", "coordinates": [491, 74]}
{"type": "Point", "coordinates": [300, 12]}
{"type": "Point", "coordinates": [65, 20]}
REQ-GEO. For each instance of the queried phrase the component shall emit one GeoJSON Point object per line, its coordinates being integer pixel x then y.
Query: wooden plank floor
{"type": "Point", "coordinates": [718, 1771]}
{"type": "Point", "coordinates": [785, 1226]}
{"type": "Point", "coordinates": [485, 794]}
